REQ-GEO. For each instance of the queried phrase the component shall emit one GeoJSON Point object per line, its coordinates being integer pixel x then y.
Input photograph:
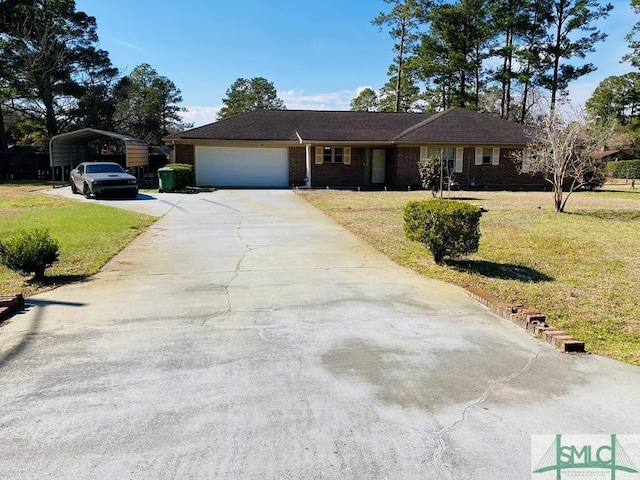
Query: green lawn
{"type": "Point", "coordinates": [580, 268]}
{"type": "Point", "coordinates": [88, 234]}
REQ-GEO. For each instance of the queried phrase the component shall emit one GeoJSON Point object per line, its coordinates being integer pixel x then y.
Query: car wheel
{"type": "Point", "coordinates": [74, 189]}
{"type": "Point", "coordinates": [86, 191]}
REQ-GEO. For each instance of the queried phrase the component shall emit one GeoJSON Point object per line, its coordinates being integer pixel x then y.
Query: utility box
{"type": "Point", "coordinates": [166, 179]}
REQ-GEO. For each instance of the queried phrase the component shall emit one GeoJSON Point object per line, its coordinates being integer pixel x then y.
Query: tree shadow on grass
{"type": "Point", "coordinates": [466, 199]}
{"type": "Point", "coordinates": [623, 215]}
{"type": "Point", "coordinates": [502, 271]}
{"type": "Point", "coordinates": [57, 280]}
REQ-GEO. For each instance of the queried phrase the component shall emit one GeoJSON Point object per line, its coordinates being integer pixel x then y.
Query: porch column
{"type": "Point", "coordinates": [308, 164]}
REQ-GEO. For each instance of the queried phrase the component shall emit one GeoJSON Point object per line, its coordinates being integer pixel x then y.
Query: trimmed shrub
{"type": "Point", "coordinates": [448, 228]}
{"type": "Point", "coordinates": [430, 174]}
{"type": "Point", "coordinates": [184, 175]}
{"type": "Point", "coordinates": [624, 169]}
{"type": "Point", "coordinates": [29, 252]}
{"type": "Point", "coordinates": [595, 178]}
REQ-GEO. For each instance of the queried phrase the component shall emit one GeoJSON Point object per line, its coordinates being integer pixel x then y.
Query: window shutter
{"type": "Point", "coordinates": [346, 155]}
{"type": "Point", "coordinates": [495, 158]}
{"type": "Point", "coordinates": [424, 154]}
{"type": "Point", "coordinates": [526, 161]}
{"type": "Point", "coordinates": [319, 155]}
{"type": "Point", "coordinates": [459, 159]}
{"type": "Point", "coordinates": [478, 155]}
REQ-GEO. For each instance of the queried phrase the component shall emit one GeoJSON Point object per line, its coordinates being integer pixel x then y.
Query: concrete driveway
{"type": "Point", "coordinates": [247, 336]}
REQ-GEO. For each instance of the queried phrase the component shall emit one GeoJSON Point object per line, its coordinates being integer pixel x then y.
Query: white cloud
{"type": "Point", "coordinates": [299, 100]}
{"type": "Point", "coordinates": [125, 44]}
{"type": "Point", "coordinates": [579, 93]}
{"type": "Point", "coordinates": [200, 115]}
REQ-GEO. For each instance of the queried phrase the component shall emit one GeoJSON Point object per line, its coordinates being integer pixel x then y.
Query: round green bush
{"type": "Point", "coordinates": [184, 175]}
{"type": "Point", "coordinates": [29, 252]}
{"type": "Point", "coordinates": [448, 228]}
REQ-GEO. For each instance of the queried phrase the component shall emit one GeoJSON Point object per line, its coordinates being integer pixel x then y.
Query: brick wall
{"type": "Point", "coordinates": [338, 174]}
{"type": "Point", "coordinates": [407, 174]}
{"type": "Point", "coordinates": [297, 166]}
{"type": "Point", "coordinates": [185, 154]}
{"type": "Point", "coordinates": [502, 176]}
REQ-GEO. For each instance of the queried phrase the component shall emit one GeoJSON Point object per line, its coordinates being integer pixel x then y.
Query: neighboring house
{"type": "Point", "coordinates": [611, 155]}
{"type": "Point", "coordinates": [606, 155]}
{"type": "Point", "coordinates": [286, 148]}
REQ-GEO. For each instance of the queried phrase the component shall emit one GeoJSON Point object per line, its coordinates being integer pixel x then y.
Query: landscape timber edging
{"type": "Point", "coordinates": [529, 319]}
{"type": "Point", "coordinates": [10, 305]}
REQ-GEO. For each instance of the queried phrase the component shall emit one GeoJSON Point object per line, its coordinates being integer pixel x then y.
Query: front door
{"type": "Point", "coordinates": [378, 165]}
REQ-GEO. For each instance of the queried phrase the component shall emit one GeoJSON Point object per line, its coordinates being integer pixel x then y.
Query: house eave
{"type": "Point", "coordinates": [230, 143]}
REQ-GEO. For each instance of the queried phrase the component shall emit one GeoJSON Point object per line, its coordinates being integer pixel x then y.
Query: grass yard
{"type": "Point", "coordinates": [581, 268]}
{"type": "Point", "coordinates": [88, 235]}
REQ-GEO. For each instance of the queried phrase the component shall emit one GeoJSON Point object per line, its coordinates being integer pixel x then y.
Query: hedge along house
{"type": "Point", "coordinates": [286, 148]}
{"type": "Point", "coordinates": [68, 150]}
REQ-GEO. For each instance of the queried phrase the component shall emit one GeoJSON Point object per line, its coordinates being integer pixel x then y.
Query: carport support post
{"type": "Point", "coordinates": [308, 164]}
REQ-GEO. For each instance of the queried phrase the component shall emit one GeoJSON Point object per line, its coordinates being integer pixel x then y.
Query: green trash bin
{"type": "Point", "coordinates": [166, 179]}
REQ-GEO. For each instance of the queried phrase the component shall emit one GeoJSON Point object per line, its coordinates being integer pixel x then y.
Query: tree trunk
{"type": "Point", "coordinates": [399, 75]}
{"type": "Point", "coordinates": [557, 193]}
{"type": "Point", "coordinates": [506, 82]}
{"type": "Point", "coordinates": [556, 60]}
{"type": "Point", "coordinates": [4, 146]}
{"type": "Point", "coordinates": [39, 273]}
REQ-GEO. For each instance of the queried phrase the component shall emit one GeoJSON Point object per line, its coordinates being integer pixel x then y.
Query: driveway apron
{"type": "Point", "coordinates": [247, 336]}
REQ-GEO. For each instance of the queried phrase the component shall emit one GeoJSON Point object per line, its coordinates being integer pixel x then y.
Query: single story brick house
{"type": "Point", "coordinates": [288, 148]}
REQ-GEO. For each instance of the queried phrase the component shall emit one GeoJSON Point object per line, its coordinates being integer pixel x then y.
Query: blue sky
{"type": "Point", "coordinates": [319, 54]}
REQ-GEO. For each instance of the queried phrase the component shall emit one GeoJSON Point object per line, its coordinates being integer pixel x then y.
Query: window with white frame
{"type": "Point", "coordinates": [452, 156]}
{"type": "Point", "coordinates": [487, 156]}
{"type": "Point", "coordinates": [333, 155]}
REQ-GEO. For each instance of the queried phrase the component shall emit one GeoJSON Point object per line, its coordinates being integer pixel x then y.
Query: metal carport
{"type": "Point", "coordinates": [71, 149]}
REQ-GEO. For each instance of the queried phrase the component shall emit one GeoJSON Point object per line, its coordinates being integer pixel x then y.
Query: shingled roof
{"type": "Point", "coordinates": [456, 125]}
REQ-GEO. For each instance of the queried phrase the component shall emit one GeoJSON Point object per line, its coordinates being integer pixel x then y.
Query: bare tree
{"type": "Point", "coordinates": [561, 150]}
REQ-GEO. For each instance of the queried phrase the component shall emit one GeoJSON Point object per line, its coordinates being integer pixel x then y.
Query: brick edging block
{"type": "Point", "coordinates": [529, 319]}
{"type": "Point", "coordinates": [10, 305]}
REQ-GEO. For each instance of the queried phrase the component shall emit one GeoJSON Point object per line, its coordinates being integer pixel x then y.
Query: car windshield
{"type": "Point", "coordinates": [104, 168]}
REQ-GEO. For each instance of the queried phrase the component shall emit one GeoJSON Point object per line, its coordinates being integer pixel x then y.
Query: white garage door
{"type": "Point", "coordinates": [242, 167]}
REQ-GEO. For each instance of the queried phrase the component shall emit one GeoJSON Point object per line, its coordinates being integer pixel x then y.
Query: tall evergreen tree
{"type": "Point", "coordinates": [146, 105]}
{"type": "Point", "coordinates": [616, 98]}
{"type": "Point", "coordinates": [366, 101]}
{"type": "Point", "coordinates": [402, 98]}
{"type": "Point", "coordinates": [529, 55]}
{"type": "Point", "coordinates": [517, 25]}
{"type": "Point", "coordinates": [634, 45]}
{"type": "Point", "coordinates": [47, 45]}
{"type": "Point", "coordinates": [246, 95]}
{"type": "Point", "coordinates": [96, 105]}
{"type": "Point", "coordinates": [569, 17]}
{"type": "Point", "coordinates": [404, 20]}
{"type": "Point", "coordinates": [453, 51]}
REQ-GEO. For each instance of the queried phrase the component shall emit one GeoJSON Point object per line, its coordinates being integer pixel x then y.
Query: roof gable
{"type": "Point", "coordinates": [458, 125]}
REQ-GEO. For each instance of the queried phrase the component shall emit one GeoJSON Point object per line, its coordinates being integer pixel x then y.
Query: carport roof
{"type": "Point", "coordinates": [456, 125]}
{"type": "Point", "coordinates": [88, 134]}
{"type": "Point", "coordinates": [63, 148]}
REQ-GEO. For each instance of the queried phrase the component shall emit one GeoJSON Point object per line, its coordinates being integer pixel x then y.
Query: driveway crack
{"type": "Point", "coordinates": [236, 272]}
{"type": "Point", "coordinates": [441, 445]}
